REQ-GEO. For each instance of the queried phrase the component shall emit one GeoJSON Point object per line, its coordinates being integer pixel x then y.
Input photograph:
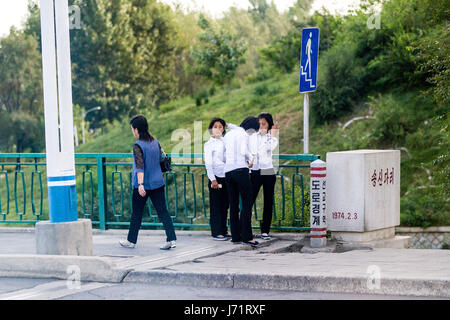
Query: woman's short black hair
{"type": "Point", "coordinates": [268, 118]}
{"type": "Point", "coordinates": [214, 120]}
{"type": "Point", "coordinates": [250, 123]}
{"type": "Point", "coordinates": [140, 123]}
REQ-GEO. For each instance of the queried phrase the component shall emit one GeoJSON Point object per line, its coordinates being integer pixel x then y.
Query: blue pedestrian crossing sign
{"type": "Point", "coordinates": [309, 59]}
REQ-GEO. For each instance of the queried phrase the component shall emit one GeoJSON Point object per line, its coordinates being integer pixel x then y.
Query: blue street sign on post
{"type": "Point", "coordinates": [309, 59]}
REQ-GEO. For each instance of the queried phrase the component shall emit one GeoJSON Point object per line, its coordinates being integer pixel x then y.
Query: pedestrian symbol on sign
{"type": "Point", "coordinates": [308, 53]}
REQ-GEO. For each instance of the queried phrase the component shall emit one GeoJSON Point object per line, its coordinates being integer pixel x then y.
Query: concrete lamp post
{"type": "Point", "coordinates": [64, 233]}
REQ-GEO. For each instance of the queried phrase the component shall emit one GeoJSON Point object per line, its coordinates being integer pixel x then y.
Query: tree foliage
{"type": "Point", "coordinates": [21, 107]}
{"type": "Point", "coordinates": [219, 54]}
{"type": "Point", "coordinates": [409, 50]}
{"type": "Point", "coordinates": [123, 56]}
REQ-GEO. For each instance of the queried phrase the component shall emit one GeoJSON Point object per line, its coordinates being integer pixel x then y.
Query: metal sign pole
{"type": "Point", "coordinates": [306, 123]}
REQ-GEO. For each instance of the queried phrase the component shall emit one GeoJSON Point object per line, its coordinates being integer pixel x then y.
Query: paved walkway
{"type": "Point", "coordinates": [199, 260]}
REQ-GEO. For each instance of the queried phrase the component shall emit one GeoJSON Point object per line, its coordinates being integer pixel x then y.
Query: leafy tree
{"type": "Point", "coordinates": [187, 31]}
{"type": "Point", "coordinates": [258, 26]}
{"type": "Point", "coordinates": [433, 60]}
{"type": "Point", "coordinates": [329, 26]}
{"type": "Point", "coordinates": [123, 56]}
{"type": "Point", "coordinates": [298, 13]}
{"type": "Point", "coordinates": [219, 54]}
{"type": "Point", "coordinates": [21, 108]}
{"type": "Point", "coordinates": [259, 9]}
{"type": "Point", "coordinates": [283, 53]}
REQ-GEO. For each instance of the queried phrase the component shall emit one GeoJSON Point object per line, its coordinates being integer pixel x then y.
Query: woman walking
{"type": "Point", "coordinates": [262, 172]}
{"type": "Point", "coordinates": [147, 182]}
{"type": "Point", "coordinates": [218, 194]}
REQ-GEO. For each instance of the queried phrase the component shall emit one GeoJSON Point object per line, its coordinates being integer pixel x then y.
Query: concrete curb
{"type": "Point", "coordinates": [294, 236]}
{"type": "Point", "coordinates": [61, 267]}
{"type": "Point", "coordinates": [305, 283]}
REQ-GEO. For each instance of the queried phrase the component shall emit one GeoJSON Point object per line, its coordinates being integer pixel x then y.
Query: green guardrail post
{"type": "Point", "coordinates": [5, 175]}
{"type": "Point", "coordinates": [102, 196]}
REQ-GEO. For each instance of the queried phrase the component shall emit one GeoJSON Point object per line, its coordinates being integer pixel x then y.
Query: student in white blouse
{"type": "Point", "coordinates": [238, 159]}
{"type": "Point", "coordinates": [215, 164]}
{"type": "Point", "coordinates": [262, 173]}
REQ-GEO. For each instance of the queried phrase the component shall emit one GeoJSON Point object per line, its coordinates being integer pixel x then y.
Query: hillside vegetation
{"type": "Point", "coordinates": [380, 86]}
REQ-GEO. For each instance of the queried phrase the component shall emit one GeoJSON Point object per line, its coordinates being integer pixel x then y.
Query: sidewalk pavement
{"type": "Point", "coordinates": [198, 260]}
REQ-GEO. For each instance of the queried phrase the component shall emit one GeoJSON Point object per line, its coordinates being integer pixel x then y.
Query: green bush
{"type": "Point", "coordinates": [446, 244]}
{"type": "Point", "coordinates": [261, 89]}
{"type": "Point", "coordinates": [424, 208]}
{"type": "Point", "coordinates": [341, 79]}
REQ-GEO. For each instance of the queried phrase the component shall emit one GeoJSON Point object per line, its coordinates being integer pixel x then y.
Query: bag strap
{"type": "Point", "coordinates": [161, 149]}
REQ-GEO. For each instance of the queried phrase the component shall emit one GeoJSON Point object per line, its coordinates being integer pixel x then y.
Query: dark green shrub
{"type": "Point", "coordinates": [421, 207]}
{"type": "Point", "coordinates": [341, 83]}
{"type": "Point", "coordinates": [261, 89]}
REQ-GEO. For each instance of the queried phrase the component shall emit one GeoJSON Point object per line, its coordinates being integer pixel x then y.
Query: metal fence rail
{"type": "Point", "coordinates": [104, 191]}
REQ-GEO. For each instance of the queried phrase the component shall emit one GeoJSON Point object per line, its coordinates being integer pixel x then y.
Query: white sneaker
{"type": "Point", "coordinates": [127, 244]}
{"type": "Point", "coordinates": [169, 245]}
{"type": "Point", "coordinates": [265, 236]}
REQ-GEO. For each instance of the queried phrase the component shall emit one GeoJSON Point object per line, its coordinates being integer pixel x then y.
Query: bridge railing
{"type": "Point", "coordinates": [104, 191]}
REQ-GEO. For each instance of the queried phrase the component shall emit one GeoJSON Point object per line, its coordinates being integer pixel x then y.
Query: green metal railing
{"type": "Point", "coordinates": [104, 191]}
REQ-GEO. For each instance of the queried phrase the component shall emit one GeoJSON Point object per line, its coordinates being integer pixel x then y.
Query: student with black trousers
{"type": "Point", "coordinates": [147, 182]}
{"type": "Point", "coordinates": [218, 194]}
{"type": "Point", "coordinates": [262, 173]}
{"type": "Point", "coordinates": [238, 159]}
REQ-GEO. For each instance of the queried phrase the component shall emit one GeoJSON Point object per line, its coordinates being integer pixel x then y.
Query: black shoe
{"type": "Point", "coordinates": [253, 244]}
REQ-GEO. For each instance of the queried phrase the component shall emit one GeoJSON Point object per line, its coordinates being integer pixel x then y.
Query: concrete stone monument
{"type": "Point", "coordinates": [363, 197]}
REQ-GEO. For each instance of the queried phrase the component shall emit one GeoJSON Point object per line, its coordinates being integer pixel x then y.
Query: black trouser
{"type": "Point", "coordinates": [158, 199]}
{"type": "Point", "coordinates": [218, 208]}
{"type": "Point", "coordinates": [267, 181]}
{"type": "Point", "coordinates": [238, 183]}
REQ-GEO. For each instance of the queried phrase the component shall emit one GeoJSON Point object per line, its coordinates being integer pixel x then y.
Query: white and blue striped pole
{"type": "Point", "coordinates": [58, 110]}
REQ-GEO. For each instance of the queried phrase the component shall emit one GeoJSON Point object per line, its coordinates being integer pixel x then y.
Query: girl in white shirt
{"type": "Point", "coordinates": [262, 173]}
{"type": "Point", "coordinates": [237, 163]}
{"type": "Point", "coordinates": [215, 164]}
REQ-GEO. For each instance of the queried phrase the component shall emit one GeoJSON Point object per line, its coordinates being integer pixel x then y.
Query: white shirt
{"type": "Point", "coordinates": [215, 158]}
{"type": "Point", "coordinates": [261, 147]}
{"type": "Point", "coordinates": [237, 149]}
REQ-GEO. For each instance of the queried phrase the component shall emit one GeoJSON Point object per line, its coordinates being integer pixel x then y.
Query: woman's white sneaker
{"type": "Point", "coordinates": [265, 236]}
{"type": "Point", "coordinates": [127, 244]}
{"type": "Point", "coordinates": [169, 245]}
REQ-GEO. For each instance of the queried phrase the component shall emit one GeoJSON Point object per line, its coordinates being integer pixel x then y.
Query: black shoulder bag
{"type": "Point", "coordinates": [165, 161]}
